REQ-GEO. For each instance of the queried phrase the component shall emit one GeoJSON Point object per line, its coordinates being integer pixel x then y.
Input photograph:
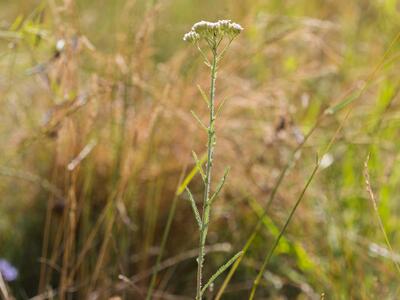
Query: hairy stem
{"type": "Point", "coordinates": [207, 186]}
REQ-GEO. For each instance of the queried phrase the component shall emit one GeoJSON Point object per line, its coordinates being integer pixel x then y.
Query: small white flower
{"type": "Point", "coordinates": [235, 28]}
{"type": "Point", "coordinates": [224, 25]}
{"type": "Point", "coordinates": [200, 26]}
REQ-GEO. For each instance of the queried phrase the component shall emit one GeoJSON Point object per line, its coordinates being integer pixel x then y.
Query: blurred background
{"type": "Point", "coordinates": [96, 137]}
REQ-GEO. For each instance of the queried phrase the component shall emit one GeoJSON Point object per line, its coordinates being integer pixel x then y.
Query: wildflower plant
{"type": "Point", "coordinates": [212, 39]}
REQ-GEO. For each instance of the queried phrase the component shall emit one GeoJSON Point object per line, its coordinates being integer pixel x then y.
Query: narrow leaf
{"type": "Point", "coordinates": [199, 165]}
{"type": "Point", "coordinates": [190, 176]}
{"type": "Point", "coordinates": [304, 261]}
{"type": "Point", "coordinates": [203, 94]}
{"type": "Point", "coordinates": [198, 120]}
{"type": "Point", "coordinates": [194, 207]}
{"type": "Point", "coordinates": [220, 107]}
{"type": "Point", "coordinates": [348, 100]}
{"type": "Point", "coordinates": [281, 233]}
{"type": "Point", "coordinates": [220, 271]}
{"type": "Point", "coordinates": [206, 61]}
{"type": "Point", "coordinates": [219, 187]}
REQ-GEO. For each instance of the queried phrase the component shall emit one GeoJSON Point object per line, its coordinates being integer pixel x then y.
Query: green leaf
{"type": "Point", "coordinates": [198, 120]}
{"type": "Point", "coordinates": [348, 100]}
{"type": "Point", "coordinates": [220, 185]}
{"type": "Point", "coordinates": [199, 165]}
{"type": "Point", "coordinates": [220, 271]}
{"type": "Point", "coordinates": [194, 208]}
{"type": "Point", "coordinates": [204, 96]}
{"type": "Point", "coordinates": [190, 176]}
{"type": "Point", "coordinates": [304, 261]}
{"type": "Point", "coordinates": [220, 107]}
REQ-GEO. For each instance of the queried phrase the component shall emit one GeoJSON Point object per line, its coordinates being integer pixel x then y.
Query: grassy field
{"type": "Point", "coordinates": [96, 136]}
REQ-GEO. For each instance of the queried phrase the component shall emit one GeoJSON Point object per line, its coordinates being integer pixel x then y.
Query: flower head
{"type": "Point", "coordinates": [191, 37]}
{"type": "Point", "coordinates": [213, 30]}
{"type": "Point", "coordinates": [235, 29]}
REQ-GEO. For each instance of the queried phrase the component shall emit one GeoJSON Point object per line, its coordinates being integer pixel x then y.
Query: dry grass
{"type": "Point", "coordinates": [95, 137]}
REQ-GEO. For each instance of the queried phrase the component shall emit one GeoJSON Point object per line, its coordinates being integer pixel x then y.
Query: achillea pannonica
{"type": "Point", "coordinates": [218, 36]}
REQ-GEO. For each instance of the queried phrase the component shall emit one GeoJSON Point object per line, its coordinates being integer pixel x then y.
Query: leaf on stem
{"type": "Point", "coordinates": [199, 165]}
{"type": "Point", "coordinates": [190, 176]}
{"type": "Point", "coordinates": [219, 187]}
{"type": "Point", "coordinates": [206, 61]}
{"type": "Point", "coordinates": [220, 107]}
{"type": "Point", "coordinates": [220, 271]}
{"type": "Point", "coordinates": [198, 120]}
{"type": "Point", "coordinates": [203, 95]}
{"type": "Point", "coordinates": [221, 55]}
{"type": "Point", "coordinates": [194, 208]}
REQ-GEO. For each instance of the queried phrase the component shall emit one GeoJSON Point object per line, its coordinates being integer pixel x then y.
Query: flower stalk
{"type": "Point", "coordinates": [207, 188]}
{"type": "Point", "coordinates": [213, 34]}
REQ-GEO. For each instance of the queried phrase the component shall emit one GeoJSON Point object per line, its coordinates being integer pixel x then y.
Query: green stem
{"type": "Point", "coordinates": [207, 186]}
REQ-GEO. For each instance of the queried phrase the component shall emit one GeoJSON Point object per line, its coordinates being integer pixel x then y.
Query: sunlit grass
{"type": "Point", "coordinates": [97, 138]}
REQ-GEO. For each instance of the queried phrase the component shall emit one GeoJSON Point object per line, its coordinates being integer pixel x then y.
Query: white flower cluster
{"type": "Point", "coordinates": [219, 29]}
{"type": "Point", "coordinates": [191, 37]}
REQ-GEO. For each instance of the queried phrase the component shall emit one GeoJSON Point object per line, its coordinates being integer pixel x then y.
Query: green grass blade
{"type": "Point", "coordinates": [171, 216]}
{"type": "Point", "coordinates": [343, 104]}
{"type": "Point", "coordinates": [281, 233]}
